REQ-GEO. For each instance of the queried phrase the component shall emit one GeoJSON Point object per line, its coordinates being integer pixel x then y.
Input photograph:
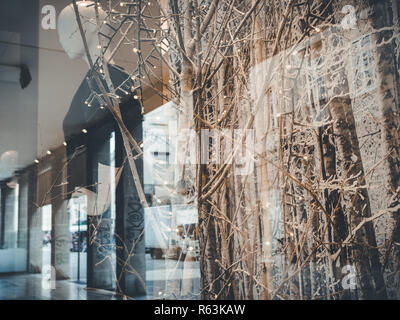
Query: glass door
{"type": "Point", "coordinates": [46, 238]}
{"type": "Point", "coordinates": [78, 229]}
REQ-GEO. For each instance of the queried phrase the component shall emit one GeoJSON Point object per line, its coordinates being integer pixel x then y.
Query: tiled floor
{"type": "Point", "coordinates": [165, 279]}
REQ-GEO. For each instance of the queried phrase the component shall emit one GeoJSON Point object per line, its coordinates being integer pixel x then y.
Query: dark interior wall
{"type": "Point", "coordinates": [19, 24]}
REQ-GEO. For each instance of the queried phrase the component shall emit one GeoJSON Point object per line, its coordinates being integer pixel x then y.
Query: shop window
{"type": "Point", "coordinates": [316, 76]}
{"type": "Point", "coordinates": [362, 65]}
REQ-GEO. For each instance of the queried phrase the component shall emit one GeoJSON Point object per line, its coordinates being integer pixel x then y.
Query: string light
{"type": "Point", "coordinates": [36, 161]}
{"type": "Point", "coordinates": [64, 143]}
{"type": "Point", "coordinates": [48, 152]}
{"type": "Point", "coordinates": [84, 130]}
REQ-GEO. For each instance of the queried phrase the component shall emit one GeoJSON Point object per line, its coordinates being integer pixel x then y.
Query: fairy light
{"type": "Point", "coordinates": [136, 97]}
{"type": "Point", "coordinates": [36, 161]}
{"type": "Point", "coordinates": [65, 144]}
{"type": "Point", "coordinates": [84, 130]}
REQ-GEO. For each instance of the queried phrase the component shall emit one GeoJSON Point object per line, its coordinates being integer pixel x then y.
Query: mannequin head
{"type": "Point", "coordinates": [69, 35]}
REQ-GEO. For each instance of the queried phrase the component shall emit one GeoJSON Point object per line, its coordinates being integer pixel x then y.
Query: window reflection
{"type": "Point", "coordinates": [171, 240]}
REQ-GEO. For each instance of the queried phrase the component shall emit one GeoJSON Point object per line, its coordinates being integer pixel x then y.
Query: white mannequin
{"type": "Point", "coordinates": [71, 41]}
{"type": "Point", "coordinates": [70, 37]}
